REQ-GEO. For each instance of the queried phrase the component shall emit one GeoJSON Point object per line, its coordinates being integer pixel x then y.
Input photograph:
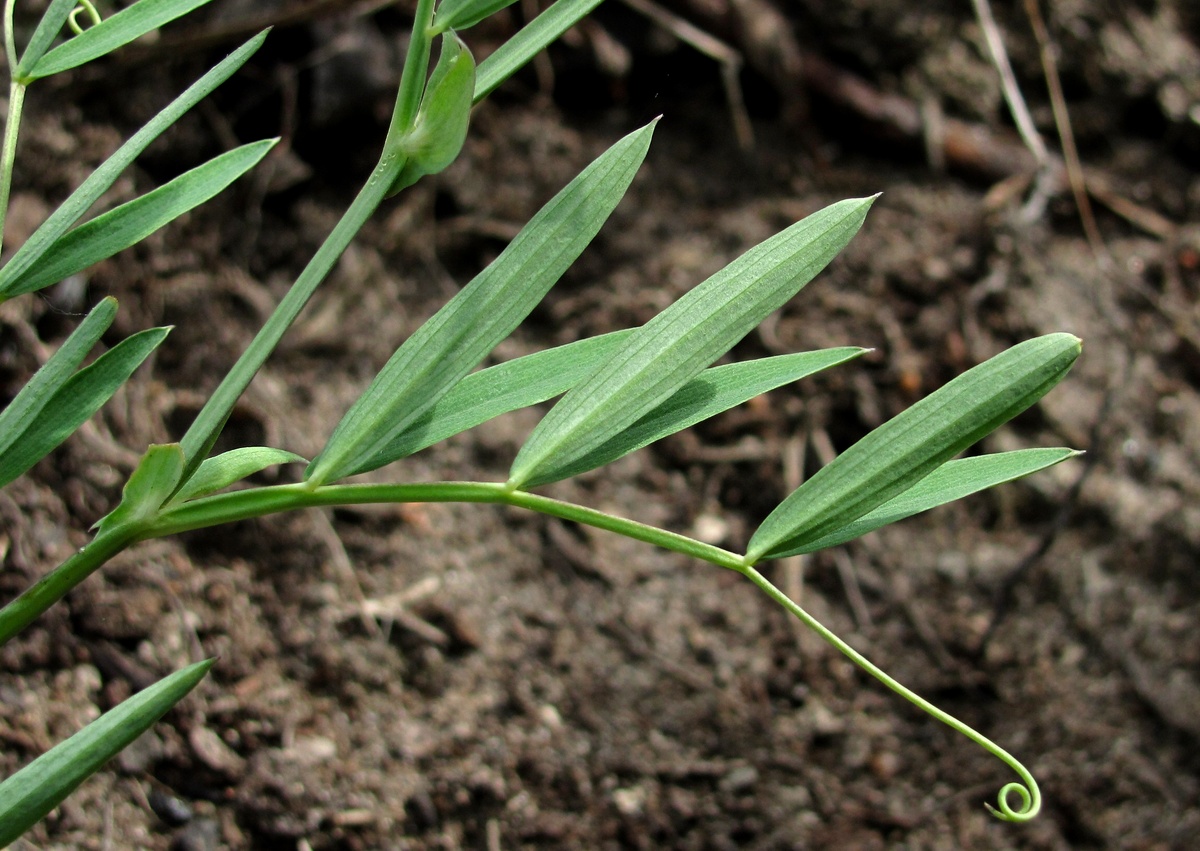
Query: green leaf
{"type": "Point", "coordinates": [29, 794]}
{"type": "Point", "coordinates": [98, 182]}
{"type": "Point", "coordinates": [715, 390]}
{"type": "Point", "coordinates": [223, 470]}
{"type": "Point", "coordinates": [39, 390]}
{"type": "Point", "coordinates": [111, 33]}
{"type": "Point", "coordinates": [462, 14]}
{"type": "Point", "coordinates": [673, 347]}
{"type": "Point", "coordinates": [499, 389]}
{"type": "Point", "coordinates": [459, 336]}
{"type": "Point", "coordinates": [48, 28]}
{"type": "Point", "coordinates": [76, 400]}
{"type": "Point", "coordinates": [902, 451]}
{"type": "Point", "coordinates": [440, 127]}
{"type": "Point", "coordinates": [148, 489]}
{"type": "Point", "coordinates": [511, 56]}
{"type": "Point", "coordinates": [953, 480]}
{"type": "Point", "coordinates": [134, 220]}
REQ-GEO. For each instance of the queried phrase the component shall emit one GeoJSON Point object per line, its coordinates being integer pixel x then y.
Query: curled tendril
{"type": "Point", "coordinates": [1027, 789]}
{"type": "Point", "coordinates": [73, 18]}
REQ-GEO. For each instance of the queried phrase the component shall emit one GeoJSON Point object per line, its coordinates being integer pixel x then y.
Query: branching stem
{"type": "Point", "coordinates": [258, 502]}
{"type": "Point", "coordinates": [239, 505]}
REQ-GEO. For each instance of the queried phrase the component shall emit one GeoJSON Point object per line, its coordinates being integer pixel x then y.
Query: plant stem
{"type": "Point", "coordinates": [412, 79]}
{"type": "Point", "coordinates": [53, 586]}
{"type": "Point", "coordinates": [12, 125]}
{"type": "Point", "coordinates": [257, 502]}
{"type": "Point", "coordinates": [10, 37]}
{"type": "Point", "coordinates": [8, 155]}
{"type": "Point", "coordinates": [204, 430]}
{"type": "Point", "coordinates": [1030, 795]}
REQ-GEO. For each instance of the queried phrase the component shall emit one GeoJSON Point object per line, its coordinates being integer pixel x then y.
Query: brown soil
{"type": "Point", "coordinates": [442, 676]}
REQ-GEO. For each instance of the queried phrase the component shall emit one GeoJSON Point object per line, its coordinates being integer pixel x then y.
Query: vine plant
{"type": "Point", "coordinates": [620, 391]}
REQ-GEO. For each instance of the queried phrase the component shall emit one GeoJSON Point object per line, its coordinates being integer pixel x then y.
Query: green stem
{"type": "Point", "coordinates": [10, 37]}
{"type": "Point", "coordinates": [203, 432]}
{"type": "Point", "coordinates": [8, 155]}
{"type": "Point", "coordinates": [412, 79]}
{"type": "Point", "coordinates": [1027, 790]}
{"type": "Point", "coordinates": [257, 502]}
{"type": "Point", "coordinates": [53, 586]}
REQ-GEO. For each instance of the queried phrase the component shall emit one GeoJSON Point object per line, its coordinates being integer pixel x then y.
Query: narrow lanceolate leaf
{"type": "Point", "coordinates": [511, 56]}
{"type": "Point", "coordinates": [907, 448]}
{"type": "Point", "coordinates": [949, 482]}
{"type": "Point", "coordinates": [223, 470]}
{"type": "Point", "coordinates": [459, 336]}
{"type": "Point", "coordinates": [149, 487]}
{"type": "Point", "coordinates": [98, 182]}
{"type": "Point", "coordinates": [673, 347]}
{"type": "Point", "coordinates": [461, 14]}
{"type": "Point", "coordinates": [499, 389]}
{"type": "Point", "coordinates": [76, 400]}
{"type": "Point", "coordinates": [47, 30]}
{"type": "Point", "coordinates": [111, 33]}
{"type": "Point", "coordinates": [39, 390]}
{"type": "Point", "coordinates": [29, 794]}
{"type": "Point", "coordinates": [715, 390]}
{"type": "Point", "coordinates": [133, 221]}
{"type": "Point", "coordinates": [440, 127]}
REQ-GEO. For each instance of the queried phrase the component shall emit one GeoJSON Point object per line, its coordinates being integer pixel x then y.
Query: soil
{"type": "Point", "coordinates": [446, 676]}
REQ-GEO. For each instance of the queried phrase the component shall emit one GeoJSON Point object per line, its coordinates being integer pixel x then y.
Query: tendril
{"type": "Point", "coordinates": [1026, 790]}
{"type": "Point", "coordinates": [73, 18]}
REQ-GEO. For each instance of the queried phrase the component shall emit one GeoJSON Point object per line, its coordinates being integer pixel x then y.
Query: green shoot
{"type": "Point", "coordinates": [620, 392]}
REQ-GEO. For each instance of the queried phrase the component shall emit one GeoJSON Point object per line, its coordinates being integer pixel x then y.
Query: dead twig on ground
{"type": "Point", "coordinates": [727, 57]}
{"type": "Point", "coordinates": [1062, 121]}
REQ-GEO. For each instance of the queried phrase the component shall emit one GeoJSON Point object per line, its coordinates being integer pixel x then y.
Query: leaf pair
{"type": "Point", "coordinates": [58, 399]}
{"type": "Point", "coordinates": [157, 483]}
{"type": "Point", "coordinates": [639, 392]}
{"type": "Point", "coordinates": [674, 347]}
{"type": "Point", "coordinates": [55, 251]}
{"type": "Point", "coordinates": [443, 350]}
{"type": "Point", "coordinates": [543, 375]}
{"type": "Point", "coordinates": [877, 478]}
{"type": "Point", "coordinates": [714, 391]}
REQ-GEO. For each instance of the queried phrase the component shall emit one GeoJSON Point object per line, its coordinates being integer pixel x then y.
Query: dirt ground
{"type": "Point", "coordinates": [442, 676]}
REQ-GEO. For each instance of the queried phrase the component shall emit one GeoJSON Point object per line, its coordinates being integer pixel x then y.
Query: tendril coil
{"type": "Point", "coordinates": [83, 6]}
{"type": "Point", "coordinates": [1027, 791]}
